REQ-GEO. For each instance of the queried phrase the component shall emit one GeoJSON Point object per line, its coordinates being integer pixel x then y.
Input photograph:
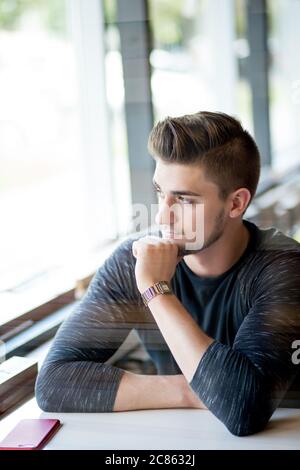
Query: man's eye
{"type": "Point", "coordinates": [185, 200]}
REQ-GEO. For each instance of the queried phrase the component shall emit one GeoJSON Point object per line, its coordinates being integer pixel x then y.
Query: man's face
{"type": "Point", "coordinates": [190, 210]}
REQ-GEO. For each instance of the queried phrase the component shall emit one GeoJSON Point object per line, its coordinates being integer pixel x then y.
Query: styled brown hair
{"type": "Point", "coordinates": [217, 141]}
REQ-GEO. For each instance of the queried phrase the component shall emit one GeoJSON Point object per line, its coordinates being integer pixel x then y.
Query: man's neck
{"type": "Point", "coordinates": [224, 253]}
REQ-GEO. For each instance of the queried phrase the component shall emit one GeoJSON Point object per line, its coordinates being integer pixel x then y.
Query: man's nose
{"type": "Point", "coordinates": [166, 213]}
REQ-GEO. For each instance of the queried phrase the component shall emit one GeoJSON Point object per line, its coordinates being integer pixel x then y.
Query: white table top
{"type": "Point", "coordinates": [184, 429]}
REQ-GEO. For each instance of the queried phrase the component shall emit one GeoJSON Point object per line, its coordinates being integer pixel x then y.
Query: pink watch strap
{"type": "Point", "coordinates": [161, 287]}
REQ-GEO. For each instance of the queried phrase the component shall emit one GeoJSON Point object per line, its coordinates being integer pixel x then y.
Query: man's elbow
{"type": "Point", "coordinates": [248, 423]}
{"type": "Point", "coordinates": [44, 393]}
{"type": "Point", "coordinates": [44, 404]}
{"type": "Point", "coordinates": [242, 429]}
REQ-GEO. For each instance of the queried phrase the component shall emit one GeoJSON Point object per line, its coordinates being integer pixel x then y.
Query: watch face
{"type": "Point", "coordinates": [165, 288]}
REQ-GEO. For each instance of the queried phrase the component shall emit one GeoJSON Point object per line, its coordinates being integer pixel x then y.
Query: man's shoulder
{"type": "Point", "coordinates": [272, 253]}
{"type": "Point", "coordinates": [268, 241]}
{"type": "Point", "coordinates": [272, 265]}
{"type": "Point", "coordinates": [272, 239]}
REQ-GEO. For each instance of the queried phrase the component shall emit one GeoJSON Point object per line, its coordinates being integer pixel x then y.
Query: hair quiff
{"type": "Point", "coordinates": [216, 141]}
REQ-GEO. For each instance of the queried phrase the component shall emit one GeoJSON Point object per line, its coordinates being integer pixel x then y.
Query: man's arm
{"type": "Point", "coordinates": [186, 340]}
{"type": "Point", "coordinates": [242, 385]}
{"type": "Point", "coordinates": [156, 261]}
{"type": "Point", "coordinates": [75, 376]}
{"type": "Point", "coordinates": [141, 392]}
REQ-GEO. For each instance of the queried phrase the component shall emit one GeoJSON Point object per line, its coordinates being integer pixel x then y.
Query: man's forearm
{"type": "Point", "coordinates": [186, 340]}
{"type": "Point", "coordinates": [137, 392]}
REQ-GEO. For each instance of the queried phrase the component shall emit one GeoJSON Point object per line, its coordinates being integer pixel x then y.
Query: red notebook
{"type": "Point", "coordinates": [30, 434]}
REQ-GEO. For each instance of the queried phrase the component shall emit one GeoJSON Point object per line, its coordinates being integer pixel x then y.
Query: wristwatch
{"type": "Point", "coordinates": [161, 287]}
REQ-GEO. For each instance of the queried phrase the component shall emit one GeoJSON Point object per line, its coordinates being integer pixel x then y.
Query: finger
{"type": "Point", "coordinates": [151, 239]}
{"type": "Point", "coordinates": [180, 253]}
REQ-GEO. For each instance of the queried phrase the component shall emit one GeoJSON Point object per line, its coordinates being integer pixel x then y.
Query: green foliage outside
{"type": "Point", "coordinates": [52, 13]}
{"type": "Point", "coordinates": [110, 11]}
{"type": "Point", "coordinates": [166, 21]}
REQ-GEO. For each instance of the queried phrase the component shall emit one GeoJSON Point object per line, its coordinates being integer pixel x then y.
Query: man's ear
{"type": "Point", "coordinates": [239, 201]}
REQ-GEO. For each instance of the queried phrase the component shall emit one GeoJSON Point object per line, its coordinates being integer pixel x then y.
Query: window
{"type": "Point", "coordinates": [116, 117]}
{"type": "Point", "coordinates": [56, 192]}
{"type": "Point", "coordinates": [283, 35]}
{"type": "Point", "coordinates": [186, 59]}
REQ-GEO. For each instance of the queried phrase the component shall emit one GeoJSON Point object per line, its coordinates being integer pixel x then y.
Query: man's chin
{"type": "Point", "coordinates": [185, 247]}
{"type": "Point", "coordinates": [183, 251]}
{"type": "Point", "coordinates": [188, 248]}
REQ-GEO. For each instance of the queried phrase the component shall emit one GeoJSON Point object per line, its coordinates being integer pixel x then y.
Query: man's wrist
{"type": "Point", "coordinates": [155, 289]}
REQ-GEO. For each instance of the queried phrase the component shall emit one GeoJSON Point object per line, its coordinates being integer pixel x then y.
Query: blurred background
{"type": "Point", "coordinates": [81, 84]}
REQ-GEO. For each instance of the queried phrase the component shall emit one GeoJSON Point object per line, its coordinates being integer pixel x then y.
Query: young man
{"type": "Point", "coordinates": [221, 324]}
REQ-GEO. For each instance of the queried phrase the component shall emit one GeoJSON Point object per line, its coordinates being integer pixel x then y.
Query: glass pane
{"type": "Point", "coordinates": [197, 47]}
{"type": "Point", "coordinates": [284, 38]}
{"type": "Point", "coordinates": [41, 182]}
{"type": "Point", "coordinates": [116, 114]}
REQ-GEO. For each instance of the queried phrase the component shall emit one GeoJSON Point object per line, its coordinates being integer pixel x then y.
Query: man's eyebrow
{"type": "Point", "coordinates": [178, 192]}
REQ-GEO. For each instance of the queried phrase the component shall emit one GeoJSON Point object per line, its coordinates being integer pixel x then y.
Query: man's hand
{"type": "Point", "coordinates": [156, 261]}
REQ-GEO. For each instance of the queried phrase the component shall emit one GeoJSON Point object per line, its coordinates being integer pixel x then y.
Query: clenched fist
{"type": "Point", "coordinates": [156, 261]}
